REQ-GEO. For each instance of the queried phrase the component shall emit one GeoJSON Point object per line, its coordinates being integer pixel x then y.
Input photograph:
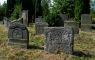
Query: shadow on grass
{"type": "Point", "coordinates": [82, 54]}
{"type": "Point", "coordinates": [35, 47]}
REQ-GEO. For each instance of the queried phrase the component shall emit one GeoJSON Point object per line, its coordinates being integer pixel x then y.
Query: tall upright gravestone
{"type": "Point", "coordinates": [40, 25]}
{"type": "Point", "coordinates": [64, 18]}
{"type": "Point", "coordinates": [59, 39]}
{"type": "Point", "coordinates": [85, 22]}
{"type": "Point", "coordinates": [25, 17]}
{"type": "Point", "coordinates": [18, 35]}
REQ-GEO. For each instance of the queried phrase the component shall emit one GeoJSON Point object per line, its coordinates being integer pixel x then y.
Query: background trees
{"type": "Point", "coordinates": [3, 10]}
{"type": "Point", "coordinates": [50, 9]}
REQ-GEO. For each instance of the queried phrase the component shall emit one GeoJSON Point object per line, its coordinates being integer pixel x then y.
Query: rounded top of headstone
{"type": "Point", "coordinates": [17, 25]}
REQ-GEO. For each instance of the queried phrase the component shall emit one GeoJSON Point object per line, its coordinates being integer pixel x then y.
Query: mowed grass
{"type": "Point", "coordinates": [84, 47]}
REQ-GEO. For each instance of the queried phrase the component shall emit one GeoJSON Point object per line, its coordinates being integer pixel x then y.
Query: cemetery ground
{"type": "Point", "coordinates": [84, 47]}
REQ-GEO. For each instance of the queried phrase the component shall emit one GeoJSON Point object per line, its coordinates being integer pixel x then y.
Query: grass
{"type": "Point", "coordinates": [84, 47]}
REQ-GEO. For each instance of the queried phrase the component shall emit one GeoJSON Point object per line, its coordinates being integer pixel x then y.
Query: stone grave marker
{"type": "Point", "coordinates": [18, 35]}
{"type": "Point", "coordinates": [64, 17]}
{"type": "Point", "coordinates": [85, 22]}
{"type": "Point", "coordinates": [39, 27]}
{"type": "Point", "coordinates": [39, 19]}
{"type": "Point", "coordinates": [86, 27]}
{"type": "Point", "coordinates": [59, 39]}
{"type": "Point", "coordinates": [25, 17]}
{"type": "Point", "coordinates": [6, 22]}
{"type": "Point", "coordinates": [72, 24]}
{"type": "Point", "coordinates": [86, 19]}
{"type": "Point", "coordinates": [19, 20]}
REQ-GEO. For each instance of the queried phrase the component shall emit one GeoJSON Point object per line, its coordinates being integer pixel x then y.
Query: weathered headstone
{"type": "Point", "coordinates": [85, 22]}
{"type": "Point", "coordinates": [25, 17]}
{"type": "Point", "coordinates": [37, 20]}
{"type": "Point", "coordinates": [72, 24]}
{"type": "Point", "coordinates": [59, 39]}
{"type": "Point", "coordinates": [20, 20]}
{"type": "Point", "coordinates": [6, 22]}
{"type": "Point", "coordinates": [39, 27]}
{"type": "Point", "coordinates": [86, 27]}
{"type": "Point", "coordinates": [86, 19]}
{"type": "Point", "coordinates": [64, 17]}
{"type": "Point", "coordinates": [18, 35]}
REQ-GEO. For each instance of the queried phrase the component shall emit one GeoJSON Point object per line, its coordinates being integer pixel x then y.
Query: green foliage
{"type": "Point", "coordinates": [78, 9]}
{"type": "Point", "coordinates": [45, 7]}
{"type": "Point", "coordinates": [17, 10]}
{"type": "Point", "coordinates": [92, 12]}
{"type": "Point", "coordinates": [3, 9]}
{"type": "Point", "coordinates": [58, 6]}
{"type": "Point", "coordinates": [86, 7]}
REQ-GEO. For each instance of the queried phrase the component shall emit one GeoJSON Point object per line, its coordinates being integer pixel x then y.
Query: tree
{"type": "Point", "coordinates": [3, 9]}
{"type": "Point", "coordinates": [86, 7]}
{"type": "Point", "coordinates": [78, 9]}
{"type": "Point", "coordinates": [59, 6]}
{"type": "Point", "coordinates": [17, 10]}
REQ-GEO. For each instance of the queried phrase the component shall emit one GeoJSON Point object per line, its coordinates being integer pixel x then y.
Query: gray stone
{"type": "Point", "coordinates": [20, 20]}
{"type": "Point", "coordinates": [18, 35]}
{"type": "Point", "coordinates": [6, 22]}
{"type": "Point", "coordinates": [59, 39]}
{"type": "Point", "coordinates": [64, 17]}
{"type": "Point", "coordinates": [39, 27]}
{"type": "Point", "coordinates": [86, 27]}
{"type": "Point", "coordinates": [25, 17]}
{"type": "Point", "coordinates": [72, 24]}
{"type": "Point", "coordinates": [86, 20]}
{"type": "Point", "coordinates": [39, 19]}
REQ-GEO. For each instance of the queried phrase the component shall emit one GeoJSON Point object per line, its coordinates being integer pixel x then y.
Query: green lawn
{"type": "Point", "coordinates": [84, 48]}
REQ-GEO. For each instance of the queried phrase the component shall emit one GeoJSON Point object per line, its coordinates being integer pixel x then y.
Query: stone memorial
{"type": "Point", "coordinates": [64, 17]}
{"type": "Point", "coordinates": [86, 19]}
{"type": "Point", "coordinates": [59, 39]}
{"type": "Point", "coordinates": [25, 17]}
{"type": "Point", "coordinates": [39, 27]}
{"type": "Point", "coordinates": [85, 22]}
{"type": "Point", "coordinates": [19, 20]}
{"type": "Point", "coordinates": [39, 19]}
{"type": "Point", "coordinates": [86, 27]}
{"type": "Point", "coordinates": [18, 35]}
{"type": "Point", "coordinates": [72, 24]}
{"type": "Point", "coordinates": [6, 22]}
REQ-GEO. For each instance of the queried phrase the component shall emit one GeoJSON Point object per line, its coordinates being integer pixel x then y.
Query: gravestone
{"type": "Point", "coordinates": [64, 17]}
{"type": "Point", "coordinates": [18, 35]}
{"type": "Point", "coordinates": [6, 22]}
{"type": "Point", "coordinates": [72, 24]}
{"type": "Point", "coordinates": [59, 39]}
{"type": "Point", "coordinates": [86, 27]}
{"type": "Point", "coordinates": [25, 17]}
{"type": "Point", "coordinates": [39, 27]}
{"type": "Point", "coordinates": [85, 22]}
{"type": "Point", "coordinates": [19, 20]}
{"type": "Point", "coordinates": [39, 19]}
{"type": "Point", "coordinates": [86, 19]}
